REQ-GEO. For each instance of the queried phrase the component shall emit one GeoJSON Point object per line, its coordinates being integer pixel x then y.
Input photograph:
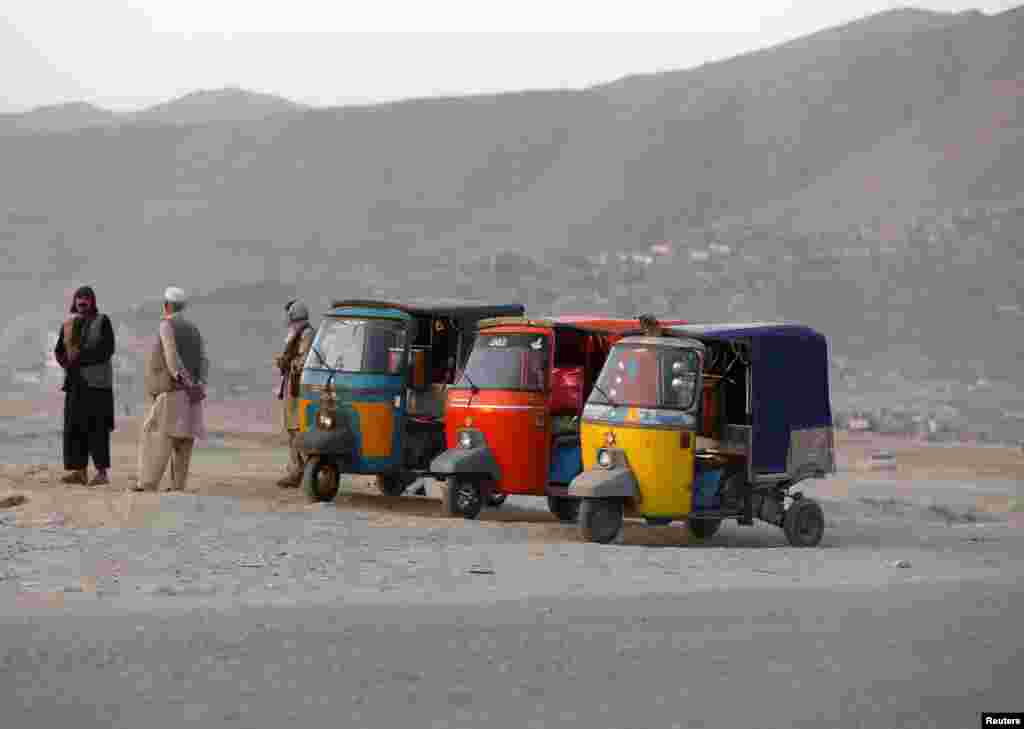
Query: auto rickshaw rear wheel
{"type": "Point", "coordinates": [600, 520]}
{"type": "Point", "coordinates": [321, 479]}
{"type": "Point", "coordinates": [463, 498]}
{"type": "Point", "coordinates": [566, 508]}
{"type": "Point", "coordinates": [704, 528]}
{"type": "Point", "coordinates": [804, 523]}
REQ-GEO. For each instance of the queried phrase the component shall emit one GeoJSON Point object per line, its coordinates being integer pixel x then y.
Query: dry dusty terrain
{"type": "Point", "coordinates": [245, 464]}
{"type": "Point", "coordinates": [936, 503]}
{"type": "Point", "coordinates": [238, 604]}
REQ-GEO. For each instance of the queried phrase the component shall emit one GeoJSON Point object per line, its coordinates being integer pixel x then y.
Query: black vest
{"type": "Point", "coordinates": [101, 375]}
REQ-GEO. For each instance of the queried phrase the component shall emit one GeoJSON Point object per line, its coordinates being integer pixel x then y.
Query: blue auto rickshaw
{"type": "Point", "coordinates": [373, 389]}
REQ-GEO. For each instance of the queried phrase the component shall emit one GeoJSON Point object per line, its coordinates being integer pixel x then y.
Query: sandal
{"type": "Point", "coordinates": [75, 477]}
{"type": "Point", "coordinates": [99, 480]}
{"type": "Point", "coordinates": [138, 486]}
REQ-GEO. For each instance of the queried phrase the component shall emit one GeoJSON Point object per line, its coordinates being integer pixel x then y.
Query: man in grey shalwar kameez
{"type": "Point", "coordinates": [176, 375]}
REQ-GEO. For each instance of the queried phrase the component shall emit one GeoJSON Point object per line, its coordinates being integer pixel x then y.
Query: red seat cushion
{"type": "Point", "coordinates": [566, 390]}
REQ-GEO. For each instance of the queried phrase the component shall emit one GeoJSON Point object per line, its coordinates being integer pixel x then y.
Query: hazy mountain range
{"type": "Point", "coordinates": [898, 136]}
{"type": "Point", "coordinates": [198, 107]}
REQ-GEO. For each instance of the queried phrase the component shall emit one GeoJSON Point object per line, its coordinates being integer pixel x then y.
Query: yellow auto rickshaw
{"type": "Point", "coordinates": [706, 423]}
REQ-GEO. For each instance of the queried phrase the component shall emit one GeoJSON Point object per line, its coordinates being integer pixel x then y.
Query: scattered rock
{"type": "Point", "coordinates": [901, 563]}
{"type": "Point", "coordinates": [477, 570]}
{"type": "Point", "coordinates": [12, 500]}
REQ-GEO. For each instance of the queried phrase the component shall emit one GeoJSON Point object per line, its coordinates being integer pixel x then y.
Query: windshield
{"type": "Point", "coordinates": [373, 346]}
{"type": "Point", "coordinates": [649, 377]}
{"type": "Point", "coordinates": [507, 362]}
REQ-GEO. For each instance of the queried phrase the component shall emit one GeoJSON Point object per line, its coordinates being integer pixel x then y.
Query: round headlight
{"type": "Point", "coordinates": [465, 439]}
{"type": "Point", "coordinates": [325, 421]}
{"type": "Point", "coordinates": [604, 459]}
{"type": "Point", "coordinates": [678, 367]}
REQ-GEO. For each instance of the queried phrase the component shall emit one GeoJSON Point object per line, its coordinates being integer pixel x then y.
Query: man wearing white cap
{"type": "Point", "coordinates": [176, 375]}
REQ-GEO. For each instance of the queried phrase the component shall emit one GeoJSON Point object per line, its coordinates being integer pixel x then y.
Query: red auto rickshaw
{"type": "Point", "coordinates": [513, 412]}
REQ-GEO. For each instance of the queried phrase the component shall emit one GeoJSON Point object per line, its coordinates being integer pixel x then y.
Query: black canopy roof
{"type": "Point", "coordinates": [789, 385]}
{"type": "Point", "coordinates": [455, 308]}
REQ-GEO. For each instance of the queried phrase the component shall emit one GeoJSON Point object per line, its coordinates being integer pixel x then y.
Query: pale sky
{"type": "Point", "coordinates": [127, 55]}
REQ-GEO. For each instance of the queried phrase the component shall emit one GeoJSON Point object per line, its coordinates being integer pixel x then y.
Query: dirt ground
{"type": "Point", "coordinates": [915, 460]}
{"type": "Point", "coordinates": [245, 465]}
{"type": "Point", "coordinates": [488, 606]}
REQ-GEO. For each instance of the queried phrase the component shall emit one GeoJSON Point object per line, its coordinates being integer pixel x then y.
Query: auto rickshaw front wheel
{"type": "Point", "coordinates": [704, 528]}
{"type": "Point", "coordinates": [321, 479]}
{"type": "Point", "coordinates": [804, 523]}
{"type": "Point", "coordinates": [600, 520]}
{"type": "Point", "coordinates": [463, 498]}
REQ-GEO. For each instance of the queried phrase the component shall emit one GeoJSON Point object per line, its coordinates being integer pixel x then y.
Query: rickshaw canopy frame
{"type": "Point", "coordinates": [789, 383]}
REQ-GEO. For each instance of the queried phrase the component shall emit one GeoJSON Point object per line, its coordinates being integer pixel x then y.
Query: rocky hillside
{"type": "Point", "coordinates": [864, 179]}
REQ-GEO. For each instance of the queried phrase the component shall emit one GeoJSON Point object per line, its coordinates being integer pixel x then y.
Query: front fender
{"type": "Point", "coordinates": [339, 442]}
{"type": "Point", "coordinates": [604, 483]}
{"type": "Point", "coordinates": [466, 461]}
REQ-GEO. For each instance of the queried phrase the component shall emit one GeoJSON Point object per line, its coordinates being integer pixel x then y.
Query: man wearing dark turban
{"type": "Point", "coordinates": [85, 348]}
